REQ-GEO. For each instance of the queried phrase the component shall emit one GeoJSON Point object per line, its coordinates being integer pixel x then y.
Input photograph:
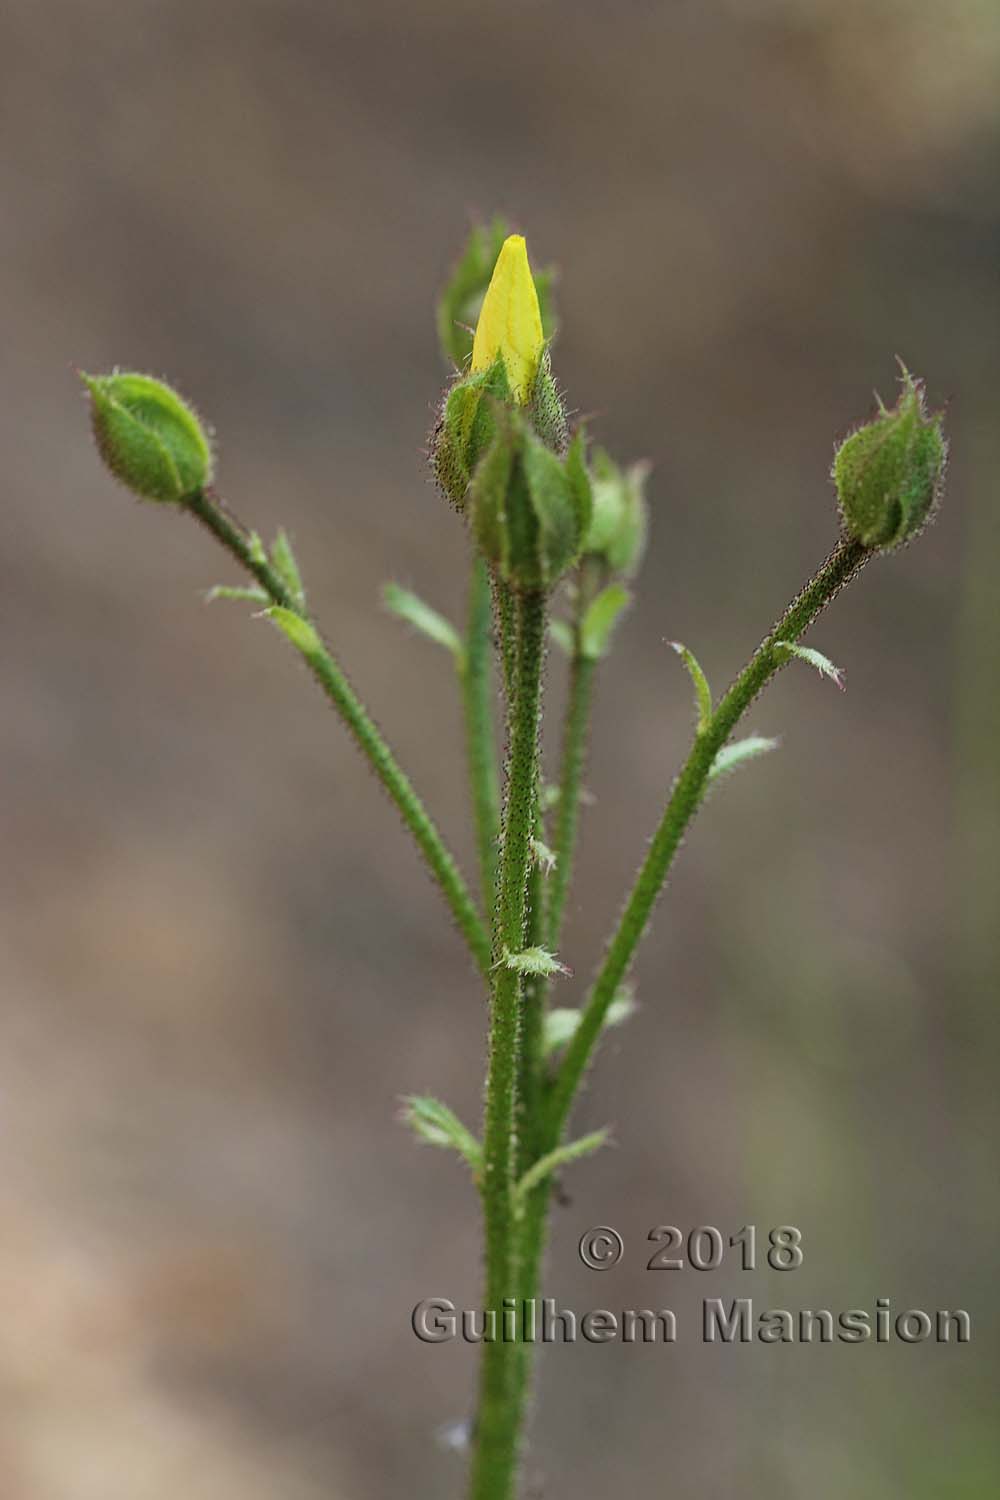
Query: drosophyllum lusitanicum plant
{"type": "Point", "coordinates": [556, 531]}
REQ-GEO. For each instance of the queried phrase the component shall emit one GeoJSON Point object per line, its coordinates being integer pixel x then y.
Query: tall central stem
{"type": "Point", "coordinates": [498, 1421]}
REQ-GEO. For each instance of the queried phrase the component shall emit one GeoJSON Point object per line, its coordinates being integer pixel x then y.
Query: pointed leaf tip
{"type": "Point", "coordinates": [302, 635]}
{"type": "Point", "coordinates": [285, 565]}
{"type": "Point", "coordinates": [248, 594]}
{"type": "Point", "coordinates": [702, 691]}
{"type": "Point", "coordinates": [557, 1159]}
{"type": "Point", "coordinates": [437, 1125]}
{"type": "Point", "coordinates": [600, 620]}
{"type": "Point", "coordinates": [824, 666]}
{"type": "Point", "coordinates": [423, 618]}
{"type": "Point", "coordinates": [739, 752]}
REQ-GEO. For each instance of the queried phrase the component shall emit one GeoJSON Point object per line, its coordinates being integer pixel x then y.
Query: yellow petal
{"type": "Point", "coordinates": [510, 323]}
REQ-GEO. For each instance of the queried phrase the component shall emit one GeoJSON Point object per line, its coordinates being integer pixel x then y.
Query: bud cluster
{"type": "Point", "coordinates": [508, 368]}
{"type": "Point", "coordinates": [500, 449]}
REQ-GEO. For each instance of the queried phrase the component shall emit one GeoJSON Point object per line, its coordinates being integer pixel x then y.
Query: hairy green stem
{"type": "Point", "coordinates": [574, 749]}
{"type": "Point", "coordinates": [532, 1233]}
{"type": "Point", "coordinates": [477, 697]}
{"type": "Point", "coordinates": [530, 1068]}
{"type": "Point", "coordinates": [331, 677]}
{"type": "Point", "coordinates": [687, 793]}
{"type": "Point", "coordinates": [533, 1226]}
{"type": "Point", "coordinates": [506, 613]}
{"type": "Point", "coordinates": [529, 1080]}
{"type": "Point", "coordinates": [498, 1421]}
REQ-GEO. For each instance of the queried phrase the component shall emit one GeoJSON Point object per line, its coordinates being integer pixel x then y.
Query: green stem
{"type": "Point", "coordinates": [499, 1415]}
{"type": "Point", "coordinates": [547, 898]}
{"type": "Point", "coordinates": [529, 1079]}
{"type": "Point", "coordinates": [532, 1232]}
{"type": "Point", "coordinates": [530, 1070]}
{"type": "Point", "coordinates": [505, 606]}
{"type": "Point", "coordinates": [574, 749]}
{"type": "Point", "coordinates": [840, 567]}
{"type": "Point", "coordinates": [548, 931]}
{"type": "Point", "coordinates": [335, 684]}
{"type": "Point", "coordinates": [477, 694]}
{"type": "Point", "coordinates": [534, 1218]}
{"type": "Point", "coordinates": [533, 994]}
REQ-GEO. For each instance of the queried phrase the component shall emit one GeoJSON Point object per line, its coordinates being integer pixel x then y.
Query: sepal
{"type": "Point", "coordinates": [526, 513]}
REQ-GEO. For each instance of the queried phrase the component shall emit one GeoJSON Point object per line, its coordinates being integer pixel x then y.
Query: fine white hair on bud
{"type": "Point", "coordinates": [150, 439]}
{"type": "Point", "coordinates": [889, 474]}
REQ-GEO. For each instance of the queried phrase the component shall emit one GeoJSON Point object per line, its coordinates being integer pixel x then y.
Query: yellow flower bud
{"type": "Point", "coordinates": [510, 323]}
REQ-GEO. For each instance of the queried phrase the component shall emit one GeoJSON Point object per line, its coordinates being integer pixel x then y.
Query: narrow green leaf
{"type": "Point", "coordinates": [550, 795]}
{"type": "Point", "coordinates": [284, 564]}
{"type": "Point", "coordinates": [437, 1125]}
{"type": "Point", "coordinates": [561, 634]}
{"type": "Point", "coordinates": [560, 1024]}
{"type": "Point", "coordinates": [226, 591]}
{"type": "Point", "coordinates": [731, 756]}
{"type": "Point", "coordinates": [824, 666]}
{"type": "Point", "coordinates": [533, 961]}
{"type": "Point", "coordinates": [555, 1160]}
{"type": "Point", "coordinates": [258, 551]}
{"type": "Point", "coordinates": [299, 631]}
{"type": "Point", "coordinates": [622, 1006]}
{"type": "Point", "coordinates": [543, 855]}
{"type": "Point", "coordinates": [702, 691]}
{"type": "Point", "coordinates": [411, 608]}
{"type": "Point", "coordinates": [600, 620]}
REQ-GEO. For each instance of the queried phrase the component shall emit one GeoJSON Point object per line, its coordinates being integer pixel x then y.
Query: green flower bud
{"type": "Point", "coordinates": [619, 523]}
{"type": "Point", "coordinates": [527, 508]}
{"type": "Point", "coordinates": [468, 416]}
{"type": "Point", "coordinates": [889, 474]}
{"type": "Point", "coordinates": [149, 438]}
{"type": "Point", "coordinates": [465, 428]}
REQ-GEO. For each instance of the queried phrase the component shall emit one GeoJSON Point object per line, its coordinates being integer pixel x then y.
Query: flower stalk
{"type": "Point", "coordinates": [207, 509]}
{"type": "Point", "coordinates": [477, 701]}
{"type": "Point", "coordinates": [841, 566]}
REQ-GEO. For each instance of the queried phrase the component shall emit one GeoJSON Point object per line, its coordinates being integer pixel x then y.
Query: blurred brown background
{"type": "Point", "coordinates": [221, 961]}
